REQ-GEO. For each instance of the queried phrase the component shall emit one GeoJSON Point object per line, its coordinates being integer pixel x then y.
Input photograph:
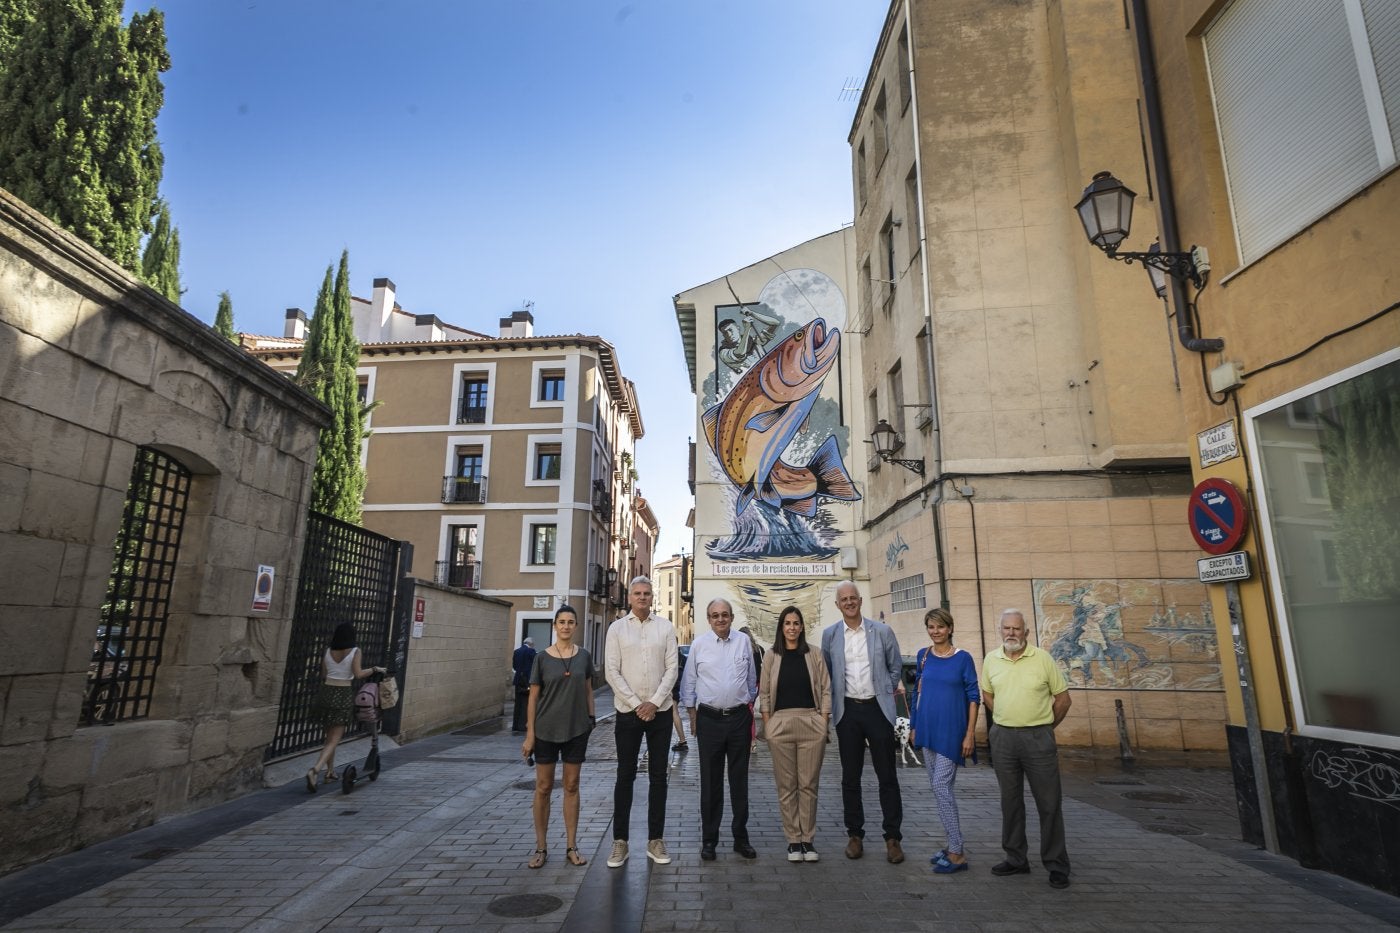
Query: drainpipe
{"type": "Point", "coordinates": [1162, 180]}
{"type": "Point", "coordinates": [937, 441]}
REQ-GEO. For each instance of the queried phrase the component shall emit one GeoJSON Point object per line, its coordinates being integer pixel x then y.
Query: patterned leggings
{"type": "Point", "coordinates": [941, 774]}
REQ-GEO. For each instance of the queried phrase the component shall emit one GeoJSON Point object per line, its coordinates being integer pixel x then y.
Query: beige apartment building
{"type": "Point", "coordinates": [507, 461]}
{"type": "Point", "coordinates": [1034, 398]}
{"type": "Point", "coordinates": [671, 578]}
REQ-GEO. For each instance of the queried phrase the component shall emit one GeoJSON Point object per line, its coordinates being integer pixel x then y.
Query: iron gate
{"type": "Point", "coordinates": [351, 575]}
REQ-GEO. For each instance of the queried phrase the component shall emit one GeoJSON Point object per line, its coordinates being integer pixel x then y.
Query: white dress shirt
{"type": "Point", "coordinates": [641, 661]}
{"type": "Point", "coordinates": [859, 686]}
{"type": "Point", "coordinates": [719, 673]}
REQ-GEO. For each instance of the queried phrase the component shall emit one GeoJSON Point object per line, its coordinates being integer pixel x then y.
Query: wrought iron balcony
{"type": "Point", "coordinates": [470, 414]}
{"type": "Point", "coordinates": [602, 499]}
{"type": "Point", "coordinates": [466, 576]}
{"type": "Point", "coordinates": [597, 582]}
{"type": "Point", "coordinates": [460, 489]}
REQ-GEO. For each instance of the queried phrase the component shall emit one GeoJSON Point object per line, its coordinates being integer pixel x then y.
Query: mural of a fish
{"type": "Point", "coordinates": [753, 425]}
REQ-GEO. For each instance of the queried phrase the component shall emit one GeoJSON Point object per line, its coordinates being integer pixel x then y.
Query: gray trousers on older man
{"type": "Point", "coordinates": [1021, 755]}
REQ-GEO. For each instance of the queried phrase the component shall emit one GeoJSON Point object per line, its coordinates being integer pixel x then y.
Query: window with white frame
{"type": "Point", "coordinates": [552, 385]}
{"type": "Point", "coordinates": [1307, 102]}
{"type": "Point", "coordinates": [1328, 474]}
{"type": "Point", "coordinates": [547, 459]}
{"type": "Point", "coordinates": [543, 541]}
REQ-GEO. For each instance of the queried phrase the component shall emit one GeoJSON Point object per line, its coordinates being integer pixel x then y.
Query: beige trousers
{"type": "Point", "coordinates": [796, 742]}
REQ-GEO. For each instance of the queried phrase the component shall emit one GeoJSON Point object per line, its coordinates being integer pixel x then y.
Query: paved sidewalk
{"type": "Point", "coordinates": [440, 841]}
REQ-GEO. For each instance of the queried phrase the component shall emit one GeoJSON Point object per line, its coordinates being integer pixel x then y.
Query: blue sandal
{"type": "Point", "coordinates": [940, 856]}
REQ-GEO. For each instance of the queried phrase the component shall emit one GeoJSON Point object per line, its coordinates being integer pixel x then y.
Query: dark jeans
{"type": "Point", "coordinates": [629, 731]}
{"type": "Point", "coordinates": [522, 709]}
{"type": "Point", "coordinates": [861, 723]}
{"type": "Point", "coordinates": [1022, 756]}
{"type": "Point", "coordinates": [724, 738]}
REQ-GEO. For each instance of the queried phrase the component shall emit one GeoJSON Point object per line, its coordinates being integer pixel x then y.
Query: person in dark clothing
{"type": "Point", "coordinates": [522, 662]}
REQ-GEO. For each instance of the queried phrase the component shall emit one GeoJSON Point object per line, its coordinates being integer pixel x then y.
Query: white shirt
{"type": "Point", "coordinates": [641, 661]}
{"type": "Point", "coordinates": [859, 686]}
{"type": "Point", "coordinates": [719, 673]}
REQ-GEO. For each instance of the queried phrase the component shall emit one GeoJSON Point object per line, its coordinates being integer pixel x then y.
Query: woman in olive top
{"type": "Point", "coordinates": [558, 723]}
{"type": "Point", "coordinates": [796, 701]}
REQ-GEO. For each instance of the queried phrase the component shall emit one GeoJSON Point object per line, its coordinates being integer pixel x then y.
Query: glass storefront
{"type": "Point", "coordinates": [1328, 468]}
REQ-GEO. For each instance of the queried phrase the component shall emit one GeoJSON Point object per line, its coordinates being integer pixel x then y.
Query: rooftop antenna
{"type": "Point", "coordinates": [851, 90]}
{"type": "Point", "coordinates": [527, 305]}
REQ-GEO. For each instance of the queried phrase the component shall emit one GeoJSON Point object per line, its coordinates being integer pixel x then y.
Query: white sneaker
{"type": "Point", "coordinates": [619, 853]}
{"type": "Point", "coordinates": [656, 851]}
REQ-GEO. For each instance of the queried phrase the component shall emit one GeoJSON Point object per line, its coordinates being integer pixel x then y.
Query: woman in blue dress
{"type": "Point", "coordinates": [943, 721]}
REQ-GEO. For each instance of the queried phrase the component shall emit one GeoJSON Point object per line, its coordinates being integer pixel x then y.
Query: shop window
{"type": "Point", "coordinates": [1329, 469]}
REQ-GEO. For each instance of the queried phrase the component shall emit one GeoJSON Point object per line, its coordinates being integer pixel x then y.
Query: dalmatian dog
{"type": "Point", "coordinates": [902, 730]}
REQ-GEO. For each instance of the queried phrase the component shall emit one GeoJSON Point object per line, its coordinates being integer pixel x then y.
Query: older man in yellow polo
{"type": "Point", "coordinates": [1026, 697]}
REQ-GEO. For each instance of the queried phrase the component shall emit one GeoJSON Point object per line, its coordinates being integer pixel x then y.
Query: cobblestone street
{"type": "Point", "coordinates": [440, 841]}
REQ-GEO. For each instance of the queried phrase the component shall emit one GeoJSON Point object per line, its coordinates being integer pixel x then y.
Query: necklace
{"type": "Point", "coordinates": [940, 654]}
{"type": "Point", "coordinates": [569, 661]}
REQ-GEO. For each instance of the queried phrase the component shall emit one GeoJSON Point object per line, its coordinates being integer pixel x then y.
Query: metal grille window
{"type": "Point", "coordinates": [126, 653]}
{"type": "Point", "coordinates": [907, 593]}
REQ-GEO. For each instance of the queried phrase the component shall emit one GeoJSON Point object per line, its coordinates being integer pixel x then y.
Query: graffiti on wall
{"type": "Point", "coordinates": [1136, 634]}
{"type": "Point", "coordinates": [772, 423]}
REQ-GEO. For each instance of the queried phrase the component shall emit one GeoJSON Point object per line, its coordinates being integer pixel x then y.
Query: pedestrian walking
{"type": "Point", "coordinates": [334, 706]}
{"type": "Point", "coordinates": [943, 722]}
{"type": "Point", "coordinates": [795, 696]}
{"type": "Point", "coordinates": [559, 722]}
{"type": "Point", "coordinates": [521, 663]}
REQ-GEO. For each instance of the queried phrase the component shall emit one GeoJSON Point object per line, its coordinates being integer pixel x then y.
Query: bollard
{"type": "Point", "coordinates": [1125, 751]}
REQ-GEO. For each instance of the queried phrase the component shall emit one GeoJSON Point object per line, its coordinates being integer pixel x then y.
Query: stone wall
{"type": "Point", "coordinates": [455, 673]}
{"type": "Point", "coordinates": [94, 365]}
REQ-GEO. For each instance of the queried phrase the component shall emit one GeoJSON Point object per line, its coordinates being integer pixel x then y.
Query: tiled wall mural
{"type": "Point", "coordinates": [1129, 634]}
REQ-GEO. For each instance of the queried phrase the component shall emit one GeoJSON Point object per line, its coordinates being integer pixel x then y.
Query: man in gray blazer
{"type": "Point", "coordinates": [863, 657]}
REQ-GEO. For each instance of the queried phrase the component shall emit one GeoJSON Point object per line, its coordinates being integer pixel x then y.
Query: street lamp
{"type": "Point", "coordinates": [1106, 211]}
{"type": "Point", "coordinates": [887, 441]}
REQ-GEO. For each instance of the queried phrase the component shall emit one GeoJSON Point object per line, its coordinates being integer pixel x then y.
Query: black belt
{"type": "Point", "coordinates": [709, 710]}
{"type": "Point", "coordinates": [860, 699]}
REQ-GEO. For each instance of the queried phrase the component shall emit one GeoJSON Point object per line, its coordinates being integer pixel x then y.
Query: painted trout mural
{"type": "Point", "coordinates": [754, 424]}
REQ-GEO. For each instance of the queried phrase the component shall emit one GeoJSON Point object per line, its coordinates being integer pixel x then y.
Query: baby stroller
{"type": "Point", "coordinates": [379, 692]}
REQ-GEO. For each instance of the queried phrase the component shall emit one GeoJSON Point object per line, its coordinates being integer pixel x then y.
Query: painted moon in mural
{"type": "Point", "coordinates": [801, 294]}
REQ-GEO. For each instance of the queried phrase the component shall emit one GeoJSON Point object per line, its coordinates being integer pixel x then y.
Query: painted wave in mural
{"type": "Point", "coordinates": [753, 426]}
{"type": "Point", "coordinates": [762, 532]}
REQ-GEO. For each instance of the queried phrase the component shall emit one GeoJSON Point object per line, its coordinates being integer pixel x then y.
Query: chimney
{"type": "Point", "coordinates": [381, 312]}
{"type": "Point", "coordinates": [295, 325]}
{"type": "Point", "coordinates": [519, 324]}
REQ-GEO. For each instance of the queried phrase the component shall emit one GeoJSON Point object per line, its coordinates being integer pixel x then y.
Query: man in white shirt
{"type": "Point", "coordinates": [718, 688]}
{"type": "Point", "coordinates": [863, 657]}
{"type": "Point", "coordinates": [640, 664]}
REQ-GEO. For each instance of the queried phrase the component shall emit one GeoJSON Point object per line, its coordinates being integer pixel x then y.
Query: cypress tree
{"type": "Point", "coordinates": [79, 96]}
{"type": "Point", "coordinates": [327, 367]}
{"type": "Point", "coordinates": [160, 262]}
{"type": "Point", "coordinates": [223, 318]}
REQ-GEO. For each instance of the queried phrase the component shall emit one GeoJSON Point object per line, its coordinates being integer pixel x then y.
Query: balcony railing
{"type": "Point", "coordinates": [460, 489]}
{"type": "Point", "coordinates": [597, 583]}
{"type": "Point", "coordinates": [602, 499]}
{"type": "Point", "coordinates": [466, 576]}
{"type": "Point", "coordinates": [470, 414]}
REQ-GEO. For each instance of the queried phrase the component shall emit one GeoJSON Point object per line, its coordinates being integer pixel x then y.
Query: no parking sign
{"type": "Point", "coordinates": [1218, 516]}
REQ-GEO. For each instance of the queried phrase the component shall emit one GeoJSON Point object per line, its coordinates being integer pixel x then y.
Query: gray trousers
{"type": "Point", "coordinates": [1021, 755]}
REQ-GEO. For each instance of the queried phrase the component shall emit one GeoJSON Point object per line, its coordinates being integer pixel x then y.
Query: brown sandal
{"type": "Point", "coordinates": [538, 859]}
{"type": "Point", "coordinates": [571, 855]}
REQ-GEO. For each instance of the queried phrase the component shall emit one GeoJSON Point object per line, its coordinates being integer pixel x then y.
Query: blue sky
{"type": "Point", "coordinates": [594, 158]}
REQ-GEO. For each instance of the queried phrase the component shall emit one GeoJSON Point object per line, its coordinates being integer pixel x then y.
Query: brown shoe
{"type": "Point", "coordinates": [854, 847]}
{"type": "Point", "coordinates": [893, 852]}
